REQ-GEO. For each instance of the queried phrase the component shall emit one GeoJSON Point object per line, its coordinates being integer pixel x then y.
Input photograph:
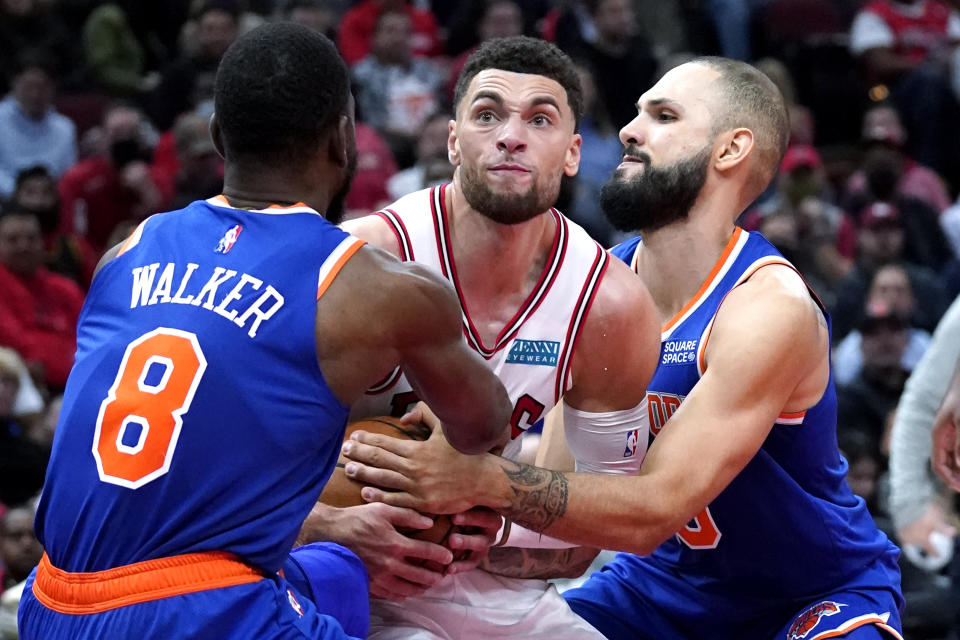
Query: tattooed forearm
{"type": "Point", "coordinates": [540, 496]}
{"type": "Point", "coordinates": [513, 562]}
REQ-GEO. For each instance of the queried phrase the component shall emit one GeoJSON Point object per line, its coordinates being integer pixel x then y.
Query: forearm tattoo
{"type": "Point", "coordinates": [540, 495]}
{"type": "Point", "coordinates": [513, 562]}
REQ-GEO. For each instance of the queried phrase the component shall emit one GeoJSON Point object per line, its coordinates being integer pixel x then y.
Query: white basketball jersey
{"type": "Point", "coordinates": [533, 352]}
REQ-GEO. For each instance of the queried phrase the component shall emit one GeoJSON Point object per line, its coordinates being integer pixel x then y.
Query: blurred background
{"type": "Point", "coordinates": [103, 121]}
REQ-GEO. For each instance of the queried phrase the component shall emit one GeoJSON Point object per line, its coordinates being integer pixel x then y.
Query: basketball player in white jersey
{"type": "Point", "coordinates": [547, 307]}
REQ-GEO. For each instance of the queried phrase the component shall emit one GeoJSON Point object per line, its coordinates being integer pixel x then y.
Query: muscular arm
{"type": "Point", "coordinates": [614, 361]}
{"type": "Point", "coordinates": [768, 353]}
{"type": "Point", "coordinates": [379, 312]}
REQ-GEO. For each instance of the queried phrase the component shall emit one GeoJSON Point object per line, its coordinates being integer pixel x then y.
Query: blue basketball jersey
{"type": "Point", "coordinates": [788, 525]}
{"type": "Point", "coordinates": [196, 417]}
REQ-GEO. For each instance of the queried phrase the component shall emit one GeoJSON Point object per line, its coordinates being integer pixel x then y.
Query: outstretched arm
{"type": "Point", "coordinates": [768, 353]}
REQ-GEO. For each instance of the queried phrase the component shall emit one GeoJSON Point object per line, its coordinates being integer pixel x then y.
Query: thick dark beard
{"type": "Point", "coordinates": [338, 204]}
{"type": "Point", "coordinates": [657, 196]}
{"type": "Point", "coordinates": [505, 208]}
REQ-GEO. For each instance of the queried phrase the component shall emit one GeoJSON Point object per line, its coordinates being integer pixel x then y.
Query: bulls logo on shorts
{"type": "Point", "coordinates": [809, 619]}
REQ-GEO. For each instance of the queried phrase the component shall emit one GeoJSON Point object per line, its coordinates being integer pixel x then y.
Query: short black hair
{"type": "Point", "coordinates": [279, 90]}
{"type": "Point", "coordinates": [523, 54]}
{"type": "Point", "coordinates": [36, 171]}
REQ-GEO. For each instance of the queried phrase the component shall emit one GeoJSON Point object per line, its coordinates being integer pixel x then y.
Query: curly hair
{"type": "Point", "coordinates": [279, 89]}
{"type": "Point", "coordinates": [523, 54]}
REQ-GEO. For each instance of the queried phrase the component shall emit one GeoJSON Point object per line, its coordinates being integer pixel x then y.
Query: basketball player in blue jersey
{"type": "Point", "coordinates": [219, 350]}
{"type": "Point", "coordinates": [740, 518]}
{"type": "Point", "coordinates": [550, 312]}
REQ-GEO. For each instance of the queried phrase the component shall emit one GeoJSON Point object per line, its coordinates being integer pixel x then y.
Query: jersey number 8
{"type": "Point", "coordinates": [139, 421]}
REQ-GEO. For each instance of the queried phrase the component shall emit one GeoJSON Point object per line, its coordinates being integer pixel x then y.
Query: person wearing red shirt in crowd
{"type": "Point", "coordinates": [67, 253]}
{"type": "Point", "coordinates": [908, 45]}
{"type": "Point", "coordinates": [114, 186]}
{"type": "Point", "coordinates": [39, 309]}
{"type": "Point", "coordinates": [358, 25]}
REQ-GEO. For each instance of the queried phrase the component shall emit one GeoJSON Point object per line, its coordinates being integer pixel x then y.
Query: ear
{"type": "Point", "coordinates": [338, 142]}
{"type": "Point", "coordinates": [571, 163]}
{"type": "Point", "coordinates": [216, 135]}
{"type": "Point", "coordinates": [453, 144]}
{"type": "Point", "coordinates": [736, 149]}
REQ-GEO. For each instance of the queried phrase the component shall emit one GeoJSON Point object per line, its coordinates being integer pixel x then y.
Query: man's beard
{"type": "Point", "coordinates": [338, 204]}
{"type": "Point", "coordinates": [506, 208]}
{"type": "Point", "coordinates": [657, 196]}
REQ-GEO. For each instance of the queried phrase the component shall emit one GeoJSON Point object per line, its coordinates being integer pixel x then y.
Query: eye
{"type": "Point", "coordinates": [485, 116]}
{"type": "Point", "coordinates": [666, 116]}
{"type": "Point", "coordinates": [540, 120]}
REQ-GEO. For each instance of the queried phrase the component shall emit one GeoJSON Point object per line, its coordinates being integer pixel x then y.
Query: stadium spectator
{"type": "Point", "coordinates": [600, 153]}
{"type": "Point", "coordinates": [432, 166]}
{"type": "Point", "coordinates": [39, 309]}
{"type": "Point", "coordinates": [23, 462]}
{"type": "Point", "coordinates": [27, 25]}
{"type": "Point", "coordinates": [320, 15]}
{"type": "Point", "coordinates": [31, 130]}
{"type": "Point", "coordinates": [187, 83]}
{"type": "Point", "coordinates": [186, 166]}
{"type": "Point", "coordinates": [907, 45]}
{"type": "Point", "coordinates": [865, 404]}
{"type": "Point", "coordinates": [479, 21]}
{"type": "Point", "coordinates": [113, 185]}
{"type": "Point", "coordinates": [891, 286]}
{"type": "Point", "coordinates": [882, 128]}
{"type": "Point", "coordinates": [355, 38]}
{"type": "Point", "coordinates": [396, 92]}
{"type": "Point", "coordinates": [67, 253]}
{"type": "Point", "coordinates": [880, 241]}
{"type": "Point", "coordinates": [19, 549]}
{"type": "Point", "coordinates": [621, 57]}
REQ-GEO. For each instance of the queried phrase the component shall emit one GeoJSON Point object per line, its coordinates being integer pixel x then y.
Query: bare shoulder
{"type": "Point", "coordinates": [619, 344]}
{"type": "Point", "coordinates": [768, 321]}
{"type": "Point", "coordinates": [780, 294]}
{"type": "Point", "coordinates": [376, 309]}
{"type": "Point", "coordinates": [374, 230]}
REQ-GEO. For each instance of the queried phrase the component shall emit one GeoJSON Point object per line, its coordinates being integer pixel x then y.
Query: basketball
{"type": "Point", "coordinates": [341, 491]}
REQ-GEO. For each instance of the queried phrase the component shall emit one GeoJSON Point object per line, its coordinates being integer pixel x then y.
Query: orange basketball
{"type": "Point", "coordinates": [341, 491]}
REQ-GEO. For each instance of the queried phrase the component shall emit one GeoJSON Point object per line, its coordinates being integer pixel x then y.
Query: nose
{"type": "Point", "coordinates": [632, 133]}
{"type": "Point", "coordinates": [510, 138]}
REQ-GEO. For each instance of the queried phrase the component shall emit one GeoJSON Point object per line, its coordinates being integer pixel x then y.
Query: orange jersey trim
{"type": "Point", "coordinates": [132, 240]}
{"type": "Point", "coordinates": [708, 281]}
{"type": "Point", "coordinates": [99, 591]}
{"type": "Point", "coordinates": [844, 630]}
{"type": "Point", "coordinates": [329, 271]}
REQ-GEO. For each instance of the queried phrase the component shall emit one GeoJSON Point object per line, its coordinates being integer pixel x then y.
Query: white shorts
{"type": "Point", "coordinates": [480, 606]}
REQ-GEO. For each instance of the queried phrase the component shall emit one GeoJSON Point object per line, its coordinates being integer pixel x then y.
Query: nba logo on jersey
{"type": "Point", "coordinates": [810, 618]}
{"type": "Point", "coordinates": [632, 437]}
{"type": "Point", "coordinates": [228, 240]}
{"type": "Point", "coordinates": [294, 603]}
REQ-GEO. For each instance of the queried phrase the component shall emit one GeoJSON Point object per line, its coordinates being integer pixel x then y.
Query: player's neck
{"type": "Point", "coordinates": [492, 257]}
{"type": "Point", "coordinates": [248, 189]}
{"type": "Point", "coordinates": [674, 261]}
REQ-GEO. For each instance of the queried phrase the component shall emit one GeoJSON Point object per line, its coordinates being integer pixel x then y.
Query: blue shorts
{"type": "Point", "coordinates": [265, 608]}
{"type": "Point", "coordinates": [651, 603]}
{"type": "Point", "coordinates": [334, 578]}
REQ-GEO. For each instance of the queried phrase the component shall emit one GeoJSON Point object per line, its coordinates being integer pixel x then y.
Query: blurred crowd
{"type": "Point", "coordinates": [103, 121]}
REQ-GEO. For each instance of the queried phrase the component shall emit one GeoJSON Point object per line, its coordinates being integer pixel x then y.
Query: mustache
{"type": "Point", "coordinates": [634, 151]}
